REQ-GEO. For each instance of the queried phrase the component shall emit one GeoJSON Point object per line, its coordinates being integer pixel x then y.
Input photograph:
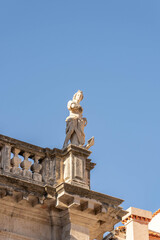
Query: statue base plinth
{"type": "Point", "coordinates": [75, 166]}
{"type": "Point", "coordinates": [71, 165]}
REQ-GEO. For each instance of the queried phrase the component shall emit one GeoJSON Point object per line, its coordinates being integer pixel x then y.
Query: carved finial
{"type": "Point", "coordinates": [75, 123]}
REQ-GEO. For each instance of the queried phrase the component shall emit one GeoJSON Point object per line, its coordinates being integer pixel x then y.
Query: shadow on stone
{"type": "Point", "coordinates": [73, 238]}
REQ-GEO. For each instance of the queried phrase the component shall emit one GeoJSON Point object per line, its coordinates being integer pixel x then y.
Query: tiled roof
{"type": "Point", "coordinates": [154, 214]}
{"type": "Point", "coordinates": [154, 234]}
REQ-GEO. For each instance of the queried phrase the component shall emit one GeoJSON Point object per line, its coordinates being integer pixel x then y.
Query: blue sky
{"type": "Point", "coordinates": [111, 51]}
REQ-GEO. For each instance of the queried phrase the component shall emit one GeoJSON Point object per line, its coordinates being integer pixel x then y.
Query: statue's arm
{"type": "Point", "coordinates": [71, 105]}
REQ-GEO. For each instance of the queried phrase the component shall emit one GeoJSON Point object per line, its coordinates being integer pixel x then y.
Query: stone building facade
{"type": "Point", "coordinates": [45, 194]}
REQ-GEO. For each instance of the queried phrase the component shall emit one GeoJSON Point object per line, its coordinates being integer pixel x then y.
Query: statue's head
{"type": "Point", "coordinates": [78, 96]}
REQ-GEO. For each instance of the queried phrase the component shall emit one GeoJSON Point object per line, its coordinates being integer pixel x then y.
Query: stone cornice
{"type": "Point", "coordinates": [90, 165]}
{"type": "Point", "coordinates": [89, 194]}
{"type": "Point", "coordinates": [18, 184]}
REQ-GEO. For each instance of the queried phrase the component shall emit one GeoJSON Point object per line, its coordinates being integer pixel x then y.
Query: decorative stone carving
{"type": "Point", "coordinates": [90, 143]}
{"type": "Point", "coordinates": [75, 167]}
{"type": "Point", "coordinates": [75, 123]}
{"type": "Point", "coordinates": [15, 162]}
{"type": "Point", "coordinates": [36, 167]}
{"type": "Point", "coordinates": [25, 165]}
{"type": "Point", "coordinates": [67, 168]}
{"type": "Point", "coordinates": [79, 168]}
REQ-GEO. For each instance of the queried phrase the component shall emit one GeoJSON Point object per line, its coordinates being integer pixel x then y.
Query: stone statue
{"type": "Point", "coordinates": [75, 123]}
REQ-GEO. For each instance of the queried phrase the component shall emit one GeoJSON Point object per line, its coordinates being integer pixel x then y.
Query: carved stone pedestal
{"type": "Point", "coordinates": [76, 166]}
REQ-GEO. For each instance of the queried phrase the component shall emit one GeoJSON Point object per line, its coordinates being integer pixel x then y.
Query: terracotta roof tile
{"type": "Point", "coordinates": [154, 214]}
{"type": "Point", "coordinates": [154, 234]}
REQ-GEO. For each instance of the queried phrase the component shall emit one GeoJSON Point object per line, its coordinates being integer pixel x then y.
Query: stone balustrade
{"type": "Point", "coordinates": [21, 159]}
{"type": "Point", "coordinates": [43, 165]}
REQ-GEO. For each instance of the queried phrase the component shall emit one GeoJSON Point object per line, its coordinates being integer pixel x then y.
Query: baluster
{"type": "Point", "coordinates": [15, 161]}
{"type": "Point", "coordinates": [36, 167]}
{"type": "Point", "coordinates": [25, 165]}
